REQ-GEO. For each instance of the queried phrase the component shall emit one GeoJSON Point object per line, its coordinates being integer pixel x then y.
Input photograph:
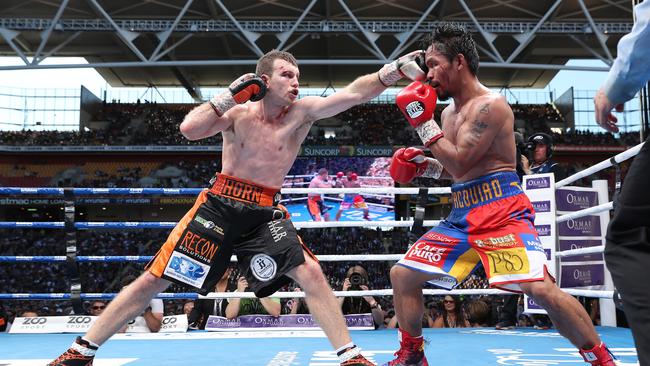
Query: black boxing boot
{"type": "Point", "coordinates": [80, 353]}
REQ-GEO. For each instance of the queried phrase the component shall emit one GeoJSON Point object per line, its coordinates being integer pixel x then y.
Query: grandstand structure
{"type": "Point", "coordinates": [198, 43]}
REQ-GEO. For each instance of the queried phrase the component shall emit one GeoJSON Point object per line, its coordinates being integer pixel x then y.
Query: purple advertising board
{"type": "Point", "coordinates": [538, 183]}
{"type": "Point", "coordinates": [582, 226]}
{"type": "Point", "coordinates": [543, 230]}
{"type": "Point", "coordinates": [299, 321]}
{"type": "Point", "coordinates": [580, 275]}
{"type": "Point", "coordinates": [541, 206]}
{"type": "Point", "coordinates": [570, 200]}
{"type": "Point", "coordinates": [577, 243]}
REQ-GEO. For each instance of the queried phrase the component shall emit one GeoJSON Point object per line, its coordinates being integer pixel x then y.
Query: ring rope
{"type": "Point", "coordinates": [600, 166]}
{"type": "Point", "coordinates": [196, 191]}
{"type": "Point", "coordinates": [147, 258]}
{"type": "Point", "coordinates": [193, 191]}
{"type": "Point", "coordinates": [586, 212]}
{"type": "Point", "coordinates": [580, 251]}
{"type": "Point", "coordinates": [331, 175]}
{"type": "Point", "coordinates": [169, 225]}
{"type": "Point", "coordinates": [291, 294]}
{"type": "Point", "coordinates": [321, 257]}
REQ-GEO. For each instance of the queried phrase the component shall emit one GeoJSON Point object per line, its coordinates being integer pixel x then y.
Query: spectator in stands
{"type": "Point", "coordinates": [297, 305]}
{"type": "Point", "coordinates": [153, 314]}
{"type": "Point", "coordinates": [451, 314]}
{"type": "Point", "coordinates": [427, 320]}
{"type": "Point", "coordinates": [96, 307]}
{"type": "Point", "coordinates": [478, 313]}
{"type": "Point", "coordinates": [524, 321]}
{"type": "Point", "coordinates": [542, 151]}
{"type": "Point", "coordinates": [250, 306]}
{"type": "Point", "coordinates": [4, 319]}
{"type": "Point", "coordinates": [431, 312]}
{"type": "Point", "coordinates": [593, 308]}
{"type": "Point", "coordinates": [205, 307]}
{"type": "Point", "coordinates": [356, 279]}
{"type": "Point", "coordinates": [188, 306]}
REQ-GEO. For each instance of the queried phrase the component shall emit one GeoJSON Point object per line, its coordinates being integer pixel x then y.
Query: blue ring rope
{"type": "Point", "coordinates": [89, 225]}
{"type": "Point", "coordinates": [91, 296]}
{"type": "Point", "coordinates": [101, 191]}
{"type": "Point", "coordinates": [81, 258]}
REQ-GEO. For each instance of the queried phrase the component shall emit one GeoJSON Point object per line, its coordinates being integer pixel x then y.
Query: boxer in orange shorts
{"type": "Point", "coordinates": [315, 202]}
{"type": "Point", "coordinates": [263, 123]}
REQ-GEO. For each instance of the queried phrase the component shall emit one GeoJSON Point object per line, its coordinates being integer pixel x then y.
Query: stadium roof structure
{"type": "Point", "coordinates": [202, 43]}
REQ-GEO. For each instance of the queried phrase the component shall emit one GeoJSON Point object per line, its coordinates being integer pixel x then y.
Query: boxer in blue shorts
{"type": "Point", "coordinates": [352, 200]}
{"type": "Point", "coordinates": [491, 222]}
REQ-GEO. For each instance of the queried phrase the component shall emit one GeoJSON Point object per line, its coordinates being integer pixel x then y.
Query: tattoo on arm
{"type": "Point", "coordinates": [478, 128]}
{"type": "Point", "coordinates": [485, 108]}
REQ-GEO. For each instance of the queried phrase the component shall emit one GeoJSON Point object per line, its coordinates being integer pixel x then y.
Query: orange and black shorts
{"type": "Point", "coordinates": [233, 216]}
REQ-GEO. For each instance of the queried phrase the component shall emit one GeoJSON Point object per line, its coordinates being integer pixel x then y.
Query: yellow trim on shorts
{"type": "Point", "coordinates": [464, 264]}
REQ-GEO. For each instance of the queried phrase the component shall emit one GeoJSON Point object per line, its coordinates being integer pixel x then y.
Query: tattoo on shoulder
{"type": "Point", "coordinates": [485, 108]}
{"type": "Point", "coordinates": [478, 128]}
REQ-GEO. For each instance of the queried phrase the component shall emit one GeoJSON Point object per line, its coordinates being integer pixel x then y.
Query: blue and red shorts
{"type": "Point", "coordinates": [491, 223]}
{"type": "Point", "coordinates": [353, 200]}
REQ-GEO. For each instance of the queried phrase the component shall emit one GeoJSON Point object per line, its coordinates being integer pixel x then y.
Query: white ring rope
{"type": "Point", "coordinates": [580, 251]}
{"type": "Point", "coordinates": [358, 257]}
{"type": "Point", "coordinates": [387, 223]}
{"type": "Point", "coordinates": [332, 176]}
{"type": "Point", "coordinates": [586, 212]}
{"type": "Point", "coordinates": [389, 292]}
{"type": "Point", "coordinates": [375, 190]}
{"type": "Point", "coordinates": [428, 223]}
{"type": "Point", "coordinates": [600, 166]}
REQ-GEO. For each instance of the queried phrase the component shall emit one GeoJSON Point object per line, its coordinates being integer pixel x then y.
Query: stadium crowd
{"type": "Point", "coordinates": [478, 310]}
{"type": "Point", "coordinates": [368, 124]}
{"type": "Point", "coordinates": [106, 277]}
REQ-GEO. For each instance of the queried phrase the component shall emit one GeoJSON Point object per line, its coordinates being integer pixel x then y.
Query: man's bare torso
{"type": "Point", "coordinates": [261, 151]}
{"type": "Point", "coordinates": [470, 119]}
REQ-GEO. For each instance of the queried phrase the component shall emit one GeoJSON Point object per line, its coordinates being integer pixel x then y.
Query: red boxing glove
{"type": "Point", "coordinates": [246, 87]}
{"type": "Point", "coordinates": [417, 102]}
{"type": "Point", "coordinates": [410, 163]}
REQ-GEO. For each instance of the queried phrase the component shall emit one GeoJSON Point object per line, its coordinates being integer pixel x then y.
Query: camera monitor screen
{"type": "Point", "coordinates": [357, 172]}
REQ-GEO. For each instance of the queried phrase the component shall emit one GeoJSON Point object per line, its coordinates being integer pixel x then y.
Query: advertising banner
{"type": "Point", "coordinates": [282, 322]}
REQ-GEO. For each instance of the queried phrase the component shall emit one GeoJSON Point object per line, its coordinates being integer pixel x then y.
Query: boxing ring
{"type": "Point", "coordinates": [455, 346]}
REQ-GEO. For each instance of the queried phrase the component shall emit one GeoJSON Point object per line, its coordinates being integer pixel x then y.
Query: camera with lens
{"type": "Point", "coordinates": [525, 147]}
{"type": "Point", "coordinates": [356, 280]}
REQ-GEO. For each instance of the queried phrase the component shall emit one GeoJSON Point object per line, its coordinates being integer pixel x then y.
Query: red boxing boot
{"type": "Point", "coordinates": [411, 351]}
{"type": "Point", "coordinates": [599, 356]}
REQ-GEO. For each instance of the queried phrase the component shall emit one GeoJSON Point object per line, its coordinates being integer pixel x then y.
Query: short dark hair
{"type": "Point", "coordinates": [452, 39]}
{"type": "Point", "coordinates": [265, 63]}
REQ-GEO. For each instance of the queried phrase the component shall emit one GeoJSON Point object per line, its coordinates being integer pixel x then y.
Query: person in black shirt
{"type": "Point", "coordinates": [203, 308]}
